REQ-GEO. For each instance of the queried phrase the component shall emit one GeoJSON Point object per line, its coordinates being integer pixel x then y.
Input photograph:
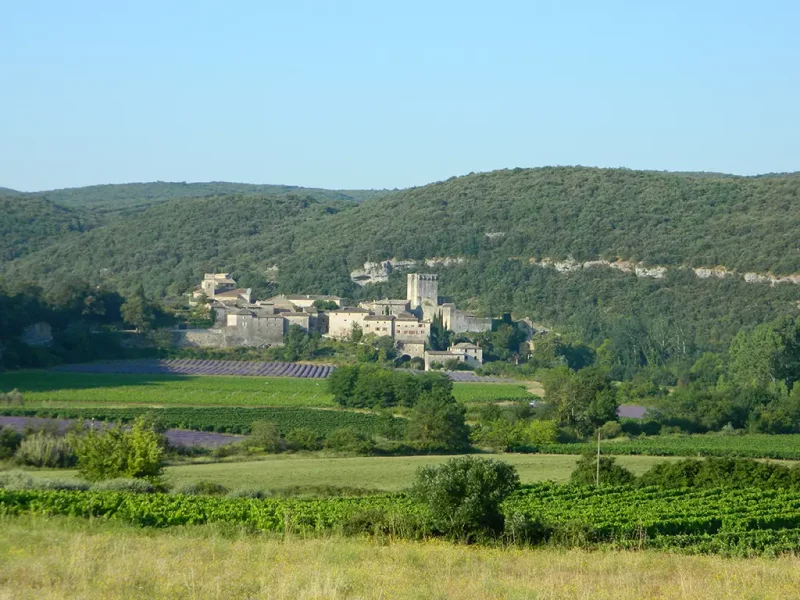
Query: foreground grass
{"type": "Point", "coordinates": [64, 558]}
{"type": "Point", "coordinates": [46, 387]}
{"type": "Point", "coordinates": [280, 472]}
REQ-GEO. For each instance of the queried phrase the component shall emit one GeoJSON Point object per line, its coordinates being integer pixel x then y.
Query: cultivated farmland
{"type": "Point", "coordinates": [156, 390]}
{"type": "Point", "coordinates": [735, 522]}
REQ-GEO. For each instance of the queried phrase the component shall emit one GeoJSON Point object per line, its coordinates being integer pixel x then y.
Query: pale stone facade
{"type": "Point", "coordinates": [463, 352]}
{"type": "Point", "coordinates": [341, 322]}
{"type": "Point", "coordinates": [379, 325]}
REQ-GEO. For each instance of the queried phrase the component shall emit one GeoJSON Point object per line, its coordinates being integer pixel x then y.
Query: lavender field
{"type": "Point", "coordinates": [175, 437]}
{"type": "Point", "coordinates": [201, 367]}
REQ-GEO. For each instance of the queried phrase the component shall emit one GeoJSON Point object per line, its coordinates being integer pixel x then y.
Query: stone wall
{"type": "Point", "coordinates": [199, 338]}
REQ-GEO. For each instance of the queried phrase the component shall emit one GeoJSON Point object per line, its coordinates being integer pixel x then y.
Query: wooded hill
{"type": "Point", "coordinates": [315, 240]}
{"type": "Point", "coordinates": [128, 196]}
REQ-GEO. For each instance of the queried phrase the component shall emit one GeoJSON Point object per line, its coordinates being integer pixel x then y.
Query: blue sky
{"type": "Point", "coordinates": [382, 95]}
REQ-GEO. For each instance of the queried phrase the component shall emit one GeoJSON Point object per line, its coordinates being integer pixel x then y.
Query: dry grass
{"type": "Point", "coordinates": [48, 558]}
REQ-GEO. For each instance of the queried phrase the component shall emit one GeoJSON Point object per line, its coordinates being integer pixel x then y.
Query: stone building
{"type": "Point", "coordinates": [408, 328]}
{"type": "Point", "coordinates": [422, 291]}
{"type": "Point", "coordinates": [387, 306]}
{"type": "Point", "coordinates": [379, 325]}
{"type": "Point", "coordinates": [463, 352]}
{"type": "Point", "coordinates": [301, 302]}
{"type": "Point", "coordinates": [241, 322]}
{"type": "Point", "coordinates": [341, 322]}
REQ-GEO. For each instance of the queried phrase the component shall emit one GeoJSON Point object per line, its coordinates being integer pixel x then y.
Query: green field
{"type": "Point", "coordinates": [279, 472]}
{"type": "Point", "coordinates": [63, 558]}
{"type": "Point", "coordinates": [752, 445]}
{"type": "Point", "coordinates": [490, 392]}
{"type": "Point", "coordinates": [47, 387]}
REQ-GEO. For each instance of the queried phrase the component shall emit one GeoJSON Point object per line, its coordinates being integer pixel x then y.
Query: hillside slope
{"type": "Point", "coordinates": [124, 197]}
{"type": "Point", "coordinates": [30, 224]}
{"type": "Point", "coordinates": [747, 224]}
{"type": "Point", "coordinates": [502, 224]}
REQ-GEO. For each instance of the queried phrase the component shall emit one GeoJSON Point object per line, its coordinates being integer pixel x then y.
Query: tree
{"type": "Point", "coordinates": [437, 421]}
{"type": "Point", "coordinates": [137, 311]}
{"type": "Point", "coordinates": [320, 304]}
{"type": "Point", "coordinates": [463, 495]}
{"type": "Point", "coordinates": [583, 400]}
{"type": "Point", "coordinates": [611, 473]}
{"type": "Point", "coordinates": [265, 434]}
{"type": "Point", "coordinates": [117, 452]}
{"type": "Point", "coordinates": [754, 356]}
{"type": "Point", "coordinates": [439, 338]}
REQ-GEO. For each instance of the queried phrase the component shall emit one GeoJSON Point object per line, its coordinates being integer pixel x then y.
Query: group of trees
{"type": "Point", "coordinates": [371, 386]}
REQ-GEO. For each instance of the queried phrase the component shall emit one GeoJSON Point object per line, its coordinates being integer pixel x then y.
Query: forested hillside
{"type": "Point", "coordinates": [28, 224]}
{"type": "Point", "coordinates": [497, 222]}
{"type": "Point", "coordinates": [124, 197]}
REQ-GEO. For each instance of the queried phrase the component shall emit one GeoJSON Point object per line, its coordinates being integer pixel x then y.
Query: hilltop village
{"type": "Point", "coordinates": [241, 321]}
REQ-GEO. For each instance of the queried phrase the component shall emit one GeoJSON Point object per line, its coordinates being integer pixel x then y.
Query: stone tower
{"type": "Point", "coordinates": [423, 293]}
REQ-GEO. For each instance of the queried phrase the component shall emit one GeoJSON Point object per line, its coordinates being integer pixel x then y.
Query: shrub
{"type": "Point", "coordinates": [12, 397]}
{"type": "Point", "coordinates": [59, 484]}
{"type": "Point", "coordinates": [44, 450]}
{"type": "Point", "coordinates": [115, 452]}
{"type": "Point", "coordinates": [610, 430]}
{"type": "Point", "coordinates": [537, 433]}
{"type": "Point", "coordinates": [721, 473]}
{"type": "Point", "coordinates": [611, 473]}
{"type": "Point", "coordinates": [248, 493]}
{"type": "Point", "coordinates": [203, 488]}
{"type": "Point", "coordinates": [265, 434]}
{"type": "Point", "coordinates": [123, 484]}
{"type": "Point", "coordinates": [19, 480]}
{"type": "Point", "coordinates": [463, 495]}
{"type": "Point", "coordinates": [9, 442]}
{"type": "Point", "coordinates": [347, 439]}
{"type": "Point", "coordinates": [16, 480]}
{"type": "Point", "coordinates": [303, 438]}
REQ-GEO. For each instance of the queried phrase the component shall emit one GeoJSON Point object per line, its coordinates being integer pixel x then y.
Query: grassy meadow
{"type": "Point", "coordinates": [70, 558]}
{"type": "Point", "coordinates": [281, 471]}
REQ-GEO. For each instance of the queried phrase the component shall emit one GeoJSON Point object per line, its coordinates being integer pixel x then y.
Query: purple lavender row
{"type": "Point", "coordinates": [175, 437]}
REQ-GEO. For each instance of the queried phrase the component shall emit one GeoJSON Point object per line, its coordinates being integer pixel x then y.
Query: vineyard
{"type": "Point", "coordinates": [219, 419]}
{"type": "Point", "coordinates": [786, 447]}
{"type": "Point", "coordinates": [736, 522]}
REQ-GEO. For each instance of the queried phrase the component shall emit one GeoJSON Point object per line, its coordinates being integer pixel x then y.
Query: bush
{"type": "Point", "coordinates": [611, 473]}
{"type": "Point", "coordinates": [16, 480]}
{"type": "Point", "coordinates": [537, 433]}
{"type": "Point", "coordinates": [59, 484]}
{"type": "Point", "coordinates": [9, 442]}
{"type": "Point", "coordinates": [303, 438]}
{"type": "Point", "coordinates": [463, 495]}
{"type": "Point", "coordinates": [116, 453]}
{"type": "Point", "coordinates": [248, 493]}
{"type": "Point", "coordinates": [44, 450]}
{"type": "Point", "coordinates": [610, 430]}
{"type": "Point", "coordinates": [123, 484]}
{"type": "Point", "coordinates": [19, 480]}
{"type": "Point", "coordinates": [12, 397]}
{"type": "Point", "coordinates": [721, 473]}
{"type": "Point", "coordinates": [265, 434]}
{"type": "Point", "coordinates": [347, 439]}
{"type": "Point", "coordinates": [203, 488]}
